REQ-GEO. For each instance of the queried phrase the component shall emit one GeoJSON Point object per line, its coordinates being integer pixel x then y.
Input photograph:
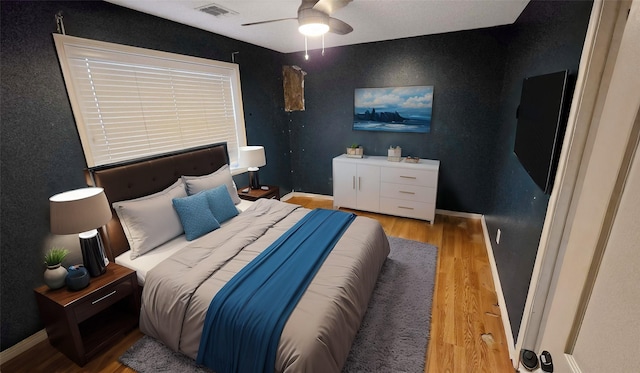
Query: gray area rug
{"type": "Point", "coordinates": [394, 332]}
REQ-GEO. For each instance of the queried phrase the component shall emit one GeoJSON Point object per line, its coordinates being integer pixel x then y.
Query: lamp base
{"type": "Point", "coordinates": [254, 180]}
{"type": "Point", "coordinates": [93, 254]}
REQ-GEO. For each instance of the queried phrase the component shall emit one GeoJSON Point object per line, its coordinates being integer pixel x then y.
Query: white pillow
{"type": "Point", "coordinates": [150, 221]}
{"type": "Point", "coordinates": [195, 184]}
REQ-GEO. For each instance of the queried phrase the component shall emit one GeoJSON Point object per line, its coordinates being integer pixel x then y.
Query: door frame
{"type": "Point", "coordinates": [597, 62]}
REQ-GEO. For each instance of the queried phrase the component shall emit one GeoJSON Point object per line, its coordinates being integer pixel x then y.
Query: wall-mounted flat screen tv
{"type": "Point", "coordinates": [393, 109]}
{"type": "Point", "coordinates": [541, 125]}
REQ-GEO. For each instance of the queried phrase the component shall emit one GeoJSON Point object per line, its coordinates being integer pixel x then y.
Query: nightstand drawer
{"type": "Point", "coordinates": [102, 299]}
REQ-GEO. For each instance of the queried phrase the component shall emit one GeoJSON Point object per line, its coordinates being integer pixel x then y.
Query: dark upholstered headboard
{"type": "Point", "coordinates": [140, 178]}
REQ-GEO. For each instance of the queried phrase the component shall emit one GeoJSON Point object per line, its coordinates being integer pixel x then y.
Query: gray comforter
{"type": "Point", "coordinates": [319, 333]}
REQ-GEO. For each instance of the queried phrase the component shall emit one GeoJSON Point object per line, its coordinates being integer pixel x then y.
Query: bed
{"type": "Point", "coordinates": [181, 277]}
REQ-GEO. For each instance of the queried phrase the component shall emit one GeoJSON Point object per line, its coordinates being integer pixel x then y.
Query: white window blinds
{"type": "Point", "coordinates": [131, 102]}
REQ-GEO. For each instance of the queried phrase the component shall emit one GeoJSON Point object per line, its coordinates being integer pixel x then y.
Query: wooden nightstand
{"type": "Point", "coordinates": [81, 323]}
{"type": "Point", "coordinates": [255, 194]}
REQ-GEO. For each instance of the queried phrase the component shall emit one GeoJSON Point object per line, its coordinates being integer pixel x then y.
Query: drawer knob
{"type": "Point", "coordinates": [103, 298]}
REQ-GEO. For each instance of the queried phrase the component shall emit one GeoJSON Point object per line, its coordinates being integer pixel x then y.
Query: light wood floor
{"type": "Point", "coordinates": [466, 329]}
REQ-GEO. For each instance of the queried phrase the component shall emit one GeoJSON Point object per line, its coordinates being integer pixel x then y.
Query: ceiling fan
{"type": "Point", "coordinates": [314, 18]}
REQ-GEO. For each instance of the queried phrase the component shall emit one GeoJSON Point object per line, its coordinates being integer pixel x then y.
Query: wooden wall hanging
{"type": "Point", "coordinates": [293, 84]}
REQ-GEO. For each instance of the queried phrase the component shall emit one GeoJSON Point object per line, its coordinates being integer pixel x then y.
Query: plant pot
{"type": "Point", "coordinates": [54, 276]}
{"type": "Point", "coordinates": [355, 152]}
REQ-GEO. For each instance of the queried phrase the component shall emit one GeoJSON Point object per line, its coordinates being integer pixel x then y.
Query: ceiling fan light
{"type": "Point", "coordinates": [313, 29]}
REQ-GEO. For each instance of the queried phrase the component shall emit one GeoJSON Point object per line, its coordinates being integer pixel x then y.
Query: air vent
{"type": "Point", "coordinates": [216, 10]}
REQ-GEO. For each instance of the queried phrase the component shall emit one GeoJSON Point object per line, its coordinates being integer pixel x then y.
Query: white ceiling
{"type": "Point", "coordinates": [372, 20]}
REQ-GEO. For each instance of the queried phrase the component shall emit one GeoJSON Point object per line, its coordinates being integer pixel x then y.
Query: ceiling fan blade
{"type": "Point", "coordinates": [273, 20]}
{"type": "Point", "coordinates": [330, 6]}
{"type": "Point", "coordinates": [339, 27]}
{"type": "Point", "coordinates": [307, 4]}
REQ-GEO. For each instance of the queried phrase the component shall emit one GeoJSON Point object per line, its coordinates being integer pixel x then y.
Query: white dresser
{"type": "Point", "coordinates": [396, 188]}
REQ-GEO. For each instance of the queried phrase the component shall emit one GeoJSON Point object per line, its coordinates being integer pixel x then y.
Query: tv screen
{"type": "Point", "coordinates": [541, 126]}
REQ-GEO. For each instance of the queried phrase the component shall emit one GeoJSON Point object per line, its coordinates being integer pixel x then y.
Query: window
{"type": "Point", "coordinates": [131, 102]}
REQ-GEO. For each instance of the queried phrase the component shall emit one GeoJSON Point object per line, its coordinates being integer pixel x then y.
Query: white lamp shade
{"type": "Point", "coordinates": [252, 156]}
{"type": "Point", "coordinates": [79, 210]}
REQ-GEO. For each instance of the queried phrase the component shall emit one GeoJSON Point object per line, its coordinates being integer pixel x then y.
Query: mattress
{"type": "Point", "coordinates": [318, 334]}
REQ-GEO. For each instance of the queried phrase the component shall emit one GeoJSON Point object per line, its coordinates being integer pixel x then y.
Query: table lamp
{"type": "Point", "coordinates": [252, 157]}
{"type": "Point", "coordinates": [82, 211]}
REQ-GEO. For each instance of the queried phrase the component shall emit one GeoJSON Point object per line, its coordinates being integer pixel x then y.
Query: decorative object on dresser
{"type": "Point", "coordinates": [82, 323]}
{"type": "Point", "coordinates": [355, 151]}
{"type": "Point", "coordinates": [54, 275]}
{"type": "Point", "coordinates": [82, 211]}
{"type": "Point", "coordinates": [394, 154]}
{"type": "Point", "coordinates": [252, 157]}
{"type": "Point", "coordinates": [394, 188]}
{"type": "Point", "coordinates": [266, 191]}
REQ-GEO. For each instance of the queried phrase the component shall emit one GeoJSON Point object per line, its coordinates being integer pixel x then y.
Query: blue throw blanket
{"type": "Point", "coordinates": [245, 319]}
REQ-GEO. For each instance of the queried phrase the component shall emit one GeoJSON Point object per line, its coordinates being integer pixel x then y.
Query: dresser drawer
{"type": "Point", "coordinates": [102, 299]}
{"type": "Point", "coordinates": [410, 209]}
{"type": "Point", "coordinates": [408, 192]}
{"type": "Point", "coordinates": [410, 176]}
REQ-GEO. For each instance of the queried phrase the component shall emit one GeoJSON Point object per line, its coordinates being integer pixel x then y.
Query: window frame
{"type": "Point", "coordinates": [67, 47]}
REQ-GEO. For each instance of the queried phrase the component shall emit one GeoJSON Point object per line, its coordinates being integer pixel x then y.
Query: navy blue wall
{"type": "Point", "coordinates": [547, 37]}
{"type": "Point", "coordinates": [477, 77]}
{"type": "Point", "coordinates": [466, 71]}
{"type": "Point", "coordinates": [41, 153]}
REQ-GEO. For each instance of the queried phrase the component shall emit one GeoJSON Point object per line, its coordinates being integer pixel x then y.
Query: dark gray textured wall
{"type": "Point", "coordinates": [40, 151]}
{"type": "Point", "coordinates": [466, 71]}
{"type": "Point", "coordinates": [547, 37]}
{"type": "Point", "coordinates": [477, 77]}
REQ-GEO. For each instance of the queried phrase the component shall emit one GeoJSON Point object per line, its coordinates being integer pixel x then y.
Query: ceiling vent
{"type": "Point", "coordinates": [216, 10]}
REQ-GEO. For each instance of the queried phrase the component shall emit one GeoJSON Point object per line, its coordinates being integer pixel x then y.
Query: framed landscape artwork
{"type": "Point", "coordinates": [393, 109]}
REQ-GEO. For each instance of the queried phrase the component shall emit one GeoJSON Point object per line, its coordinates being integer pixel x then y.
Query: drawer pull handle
{"type": "Point", "coordinates": [354, 182]}
{"type": "Point", "coordinates": [408, 177]}
{"type": "Point", "coordinates": [103, 298]}
{"type": "Point", "coordinates": [405, 192]}
{"type": "Point", "coordinates": [406, 208]}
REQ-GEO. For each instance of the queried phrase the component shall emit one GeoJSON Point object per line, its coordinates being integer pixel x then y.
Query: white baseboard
{"type": "Point", "coordinates": [22, 346]}
{"type": "Point", "coordinates": [506, 324]}
{"type": "Point", "coordinates": [468, 215]}
{"type": "Point", "coordinates": [303, 194]}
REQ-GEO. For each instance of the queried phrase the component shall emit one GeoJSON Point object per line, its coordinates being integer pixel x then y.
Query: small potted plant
{"type": "Point", "coordinates": [54, 275]}
{"type": "Point", "coordinates": [355, 151]}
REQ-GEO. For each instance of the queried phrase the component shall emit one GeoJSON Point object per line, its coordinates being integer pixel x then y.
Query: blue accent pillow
{"type": "Point", "coordinates": [195, 215]}
{"type": "Point", "coordinates": [221, 204]}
